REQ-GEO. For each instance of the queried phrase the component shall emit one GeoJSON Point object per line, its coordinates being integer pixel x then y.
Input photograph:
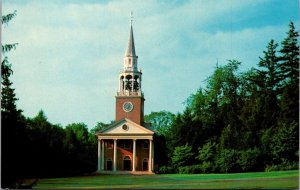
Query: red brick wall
{"type": "Point", "coordinates": [141, 153]}
{"type": "Point", "coordinates": [136, 115]}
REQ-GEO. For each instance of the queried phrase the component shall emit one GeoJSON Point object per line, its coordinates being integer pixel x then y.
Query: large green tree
{"type": "Point", "coordinates": [12, 122]}
{"type": "Point", "coordinates": [289, 65]}
{"type": "Point", "coordinates": [269, 70]}
{"type": "Point", "coordinates": [160, 121]}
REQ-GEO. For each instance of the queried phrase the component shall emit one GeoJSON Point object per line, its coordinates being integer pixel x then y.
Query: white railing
{"type": "Point", "coordinates": [130, 93]}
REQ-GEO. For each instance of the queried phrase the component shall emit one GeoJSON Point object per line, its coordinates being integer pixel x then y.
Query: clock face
{"type": "Point", "coordinates": [128, 106]}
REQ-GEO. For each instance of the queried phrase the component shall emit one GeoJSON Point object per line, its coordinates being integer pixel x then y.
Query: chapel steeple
{"type": "Point", "coordinates": [130, 77]}
{"type": "Point", "coordinates": [130, 59]}
{"type": "Point", "coordinates": [130, 51]}
{"type": "Point", "coordinates": [130, 98]}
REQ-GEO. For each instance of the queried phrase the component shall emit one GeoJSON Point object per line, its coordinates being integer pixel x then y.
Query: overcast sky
{"type": "Point", "coordinates": [70, 52]}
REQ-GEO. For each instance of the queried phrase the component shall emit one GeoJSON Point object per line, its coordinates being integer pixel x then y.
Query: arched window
{"type": "Point", "coordinates": [126, 158]}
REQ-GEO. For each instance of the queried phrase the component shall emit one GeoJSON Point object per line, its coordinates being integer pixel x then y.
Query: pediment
{"type": "Point", "coordinates": [125, 126]}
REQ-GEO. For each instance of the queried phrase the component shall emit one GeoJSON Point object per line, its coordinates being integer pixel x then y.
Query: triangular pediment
{"type": "Point", "coordinates": [125, 126]}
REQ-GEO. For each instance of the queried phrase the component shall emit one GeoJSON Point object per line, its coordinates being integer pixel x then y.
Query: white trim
{"type": "Point", "coordinates": [102, 154]}
{"type": "Point", "coordinates": [115, 155]}
{"type": "Point", "coordinates": [134, 155]}
{"type": "Point", "coordinates": [150, 156]}
{"type": "Point", "coordinates": [123, 121]}
{"type": "Point", "coordinates": [126, 137]}
{"type": "Point", "coordinates": [99, 155]}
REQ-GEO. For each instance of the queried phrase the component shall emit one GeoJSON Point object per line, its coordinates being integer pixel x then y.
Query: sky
{"type": "Point", "coordinates": [70, 52]}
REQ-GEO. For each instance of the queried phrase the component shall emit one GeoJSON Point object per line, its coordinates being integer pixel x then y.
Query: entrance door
{"type": "Point", "coordinates": [145, 164]}
{"type": "Point", "coordinates": [127, 163]}
{"type": "Point", "coordinates": [109, 164]}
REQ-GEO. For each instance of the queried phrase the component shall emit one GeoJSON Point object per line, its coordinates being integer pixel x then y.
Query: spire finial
{"type": "Point", "coordinates": [131, 17]}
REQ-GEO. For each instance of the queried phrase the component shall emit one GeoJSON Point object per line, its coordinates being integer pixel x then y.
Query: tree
{"type": "Point", "coordinates": [81, 151]}
{"type": "Point", "coordinates": [161, 121]}
{"type": "Point", "coordinates": [182, 156]}
{"type": "Point", "coordinates": [207, 152]}
{"type": "Point", "coordinates": [12, 122]}
{"type": "Point", "coordinates": [8, 96]}
{"type": "Point", "coordinates": [227, 160]}
{"type": "Point", "coordinates": [93, 140]}
{"type": "Point", "coordinates": [44, 145]}
{"type": "Point", "coordinates": [250, 160]}
{"type": "Point", "coordinates": [99, 126]}
{"type": "Point", "coordinates": [289, 59]}
{"type": "Point", "coordinates": [184, 130]}
{"type": "Point", "coordinates": [285, 143]}
{"type": "Point", "coordinates": [270, 72]}
{"type": "Point", "coordinates": [289, 65]}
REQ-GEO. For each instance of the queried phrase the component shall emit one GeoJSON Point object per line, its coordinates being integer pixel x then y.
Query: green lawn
{"type": "Point", "coordinates": [282, 179]}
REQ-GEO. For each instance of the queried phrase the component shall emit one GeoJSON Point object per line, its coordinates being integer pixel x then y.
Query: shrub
{"type": "Point", "coordinates": [166, 170]}
{"type": "Point", "coordinates": [227, 161]}
{"type": "Point", "coordinates": [206, 152]}
{"type": "Point", "coordinates": [207, 167]}
{"type": "Point", "coordinates": [283, 166]}
{"type": "Point", "coordinates": [249, 159]}
{"type": "Point", "coordinates": [193, 169]}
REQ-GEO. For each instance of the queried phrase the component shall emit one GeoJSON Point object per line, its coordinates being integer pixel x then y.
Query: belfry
{"type": "Point", "coordinates": [127, 145]}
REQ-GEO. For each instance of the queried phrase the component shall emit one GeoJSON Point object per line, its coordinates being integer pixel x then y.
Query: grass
{"type": "Point", "coordinates": [264, 180]}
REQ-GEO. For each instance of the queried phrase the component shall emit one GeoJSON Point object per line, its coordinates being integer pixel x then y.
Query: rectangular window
{"type": "Point", "coordinates": [127, 145]}
{"type": "Point", "coordinates": [109, 145]}
{"type": "Point", "coordinates": [145, 144]}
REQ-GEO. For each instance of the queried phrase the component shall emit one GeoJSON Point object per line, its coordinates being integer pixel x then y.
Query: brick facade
{"type": "Point", "coordinates": [137, 114]}
{"type": "Point", "coordinates": [142, 153]}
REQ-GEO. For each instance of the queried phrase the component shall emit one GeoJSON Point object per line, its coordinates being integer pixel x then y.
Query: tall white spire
{"type": "Point", "coordinates": [130, 78]}
{"type": "Point", "coordinates": [130, 48]}
{"type": "Point", "coordinates": [130, 59]}
{"type": "Point", "coordinates": [130, 51]}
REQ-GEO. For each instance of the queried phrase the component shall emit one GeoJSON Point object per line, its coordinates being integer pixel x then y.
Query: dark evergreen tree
{"type": "Point", "coordinates": [12, 124]}
{"type": "Point", "coordinates": [270, 72]}
{"type": "Point", "coordinates": [289, 65]}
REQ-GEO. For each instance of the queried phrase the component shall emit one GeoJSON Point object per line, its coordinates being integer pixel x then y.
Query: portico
{"type": "Point", "coordinates": [125, 146]}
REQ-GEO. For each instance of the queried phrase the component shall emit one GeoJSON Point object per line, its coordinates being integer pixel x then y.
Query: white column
{"type": "Point", "coordinates": [132, 84]}
{"type": "Point", "coordinates": [99, 155]}
{"type": "Point", "coordinates": [140, 83]}
{"type": "Point", "coordinates": [115, 154]}
{"type": "Point", "coordinates": [134, 155]}
{"type": "Point", "coordinates": [150, 156]}
{"type": "Point", "coordinates": [102, 155]}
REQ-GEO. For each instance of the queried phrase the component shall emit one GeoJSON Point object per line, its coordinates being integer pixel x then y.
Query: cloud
{"type": "Point", "coordinates": [70, 52]}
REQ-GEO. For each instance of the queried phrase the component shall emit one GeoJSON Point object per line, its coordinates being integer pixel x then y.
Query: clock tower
{"type": "Point", "coordinates": [130, 98]}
